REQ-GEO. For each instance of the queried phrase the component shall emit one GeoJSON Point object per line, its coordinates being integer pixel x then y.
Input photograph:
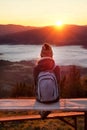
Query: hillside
{"type": "Point", "coordinates": [16, 79]}
{"type": "Point", "coordinates": [68, 35]}
{"type": "Point", "coordinates": [11, 28]}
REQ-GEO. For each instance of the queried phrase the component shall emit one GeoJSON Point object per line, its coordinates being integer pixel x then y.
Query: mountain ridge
{"type": "Point", "coordinates": [13, 28]}
{"type": "Point", "coordinates": [67, 35]}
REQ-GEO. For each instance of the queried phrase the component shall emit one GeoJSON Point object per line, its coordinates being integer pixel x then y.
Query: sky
{"type": "Point", "coordinates": [43, 12]}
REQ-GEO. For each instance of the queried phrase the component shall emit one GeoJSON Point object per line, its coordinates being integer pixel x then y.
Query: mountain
{"type": "Point", "coordinates": [11, 28]}
{"type": "Point", "coordinates": [68, 35]}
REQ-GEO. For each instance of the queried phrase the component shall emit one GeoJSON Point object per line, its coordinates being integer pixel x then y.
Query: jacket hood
{"type": "Point", "coordinates": [46, 63]}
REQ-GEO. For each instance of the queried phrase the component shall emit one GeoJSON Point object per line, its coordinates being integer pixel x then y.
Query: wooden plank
{"type": "Point", "coordinates": [35, 117]}
{"type": "Point", "coordinates": [32, 104]}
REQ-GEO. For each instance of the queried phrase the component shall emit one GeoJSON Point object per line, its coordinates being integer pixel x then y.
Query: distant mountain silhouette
{"type": "Point", "coordinates": [68, 35]}
{"type": "Point", "coordinates": [11, 28]}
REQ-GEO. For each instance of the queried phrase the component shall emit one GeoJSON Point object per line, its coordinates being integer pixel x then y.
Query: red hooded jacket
{"type": "Point", "coordinates": [44, 64]}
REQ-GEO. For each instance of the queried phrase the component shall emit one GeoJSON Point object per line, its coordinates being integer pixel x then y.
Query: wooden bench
{"type": "Point", "coordinates": [65, 107]}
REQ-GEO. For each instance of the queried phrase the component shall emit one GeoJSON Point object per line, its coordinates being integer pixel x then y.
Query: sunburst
{"type": "Point", "coordinates": [59, 23]}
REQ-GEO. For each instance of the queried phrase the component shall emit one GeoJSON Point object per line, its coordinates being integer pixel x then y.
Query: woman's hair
{"type": "Point", "coordinates": [46, 50]}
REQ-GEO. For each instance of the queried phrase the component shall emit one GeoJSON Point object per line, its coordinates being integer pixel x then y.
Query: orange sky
{"type": "Point", "coordinates": [43, 12]}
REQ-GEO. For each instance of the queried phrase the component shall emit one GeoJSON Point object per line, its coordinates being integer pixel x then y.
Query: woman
{"type": "Point", "coordinates": [46, 63]}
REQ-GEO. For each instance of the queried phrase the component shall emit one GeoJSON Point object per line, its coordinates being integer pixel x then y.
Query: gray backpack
{"type": "Point", "coordinates": [47, 87]}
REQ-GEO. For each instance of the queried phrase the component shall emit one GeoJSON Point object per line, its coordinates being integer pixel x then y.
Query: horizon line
{"type": "Point", "coordinates": [42, 25]}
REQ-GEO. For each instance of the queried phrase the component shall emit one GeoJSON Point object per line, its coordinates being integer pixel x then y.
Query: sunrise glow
{"type": "Point", "coordinates": [43, 13]}
{"type": "Point", "coordinates": [59, 23]}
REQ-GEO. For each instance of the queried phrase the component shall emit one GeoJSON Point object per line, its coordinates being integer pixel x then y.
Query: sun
{"type": "Point", "coordinates": [59, 24]}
